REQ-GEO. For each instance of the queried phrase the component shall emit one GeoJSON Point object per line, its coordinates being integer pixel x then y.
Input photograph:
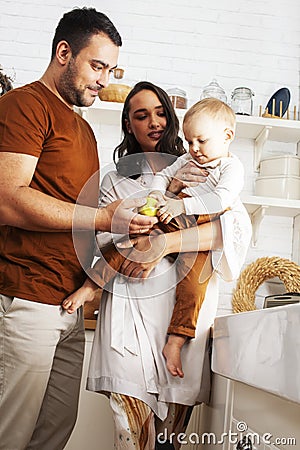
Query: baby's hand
{"type": "Point", "coordinates": [172, 208]}
{"type": "Point", "coordinates": [158, 195]}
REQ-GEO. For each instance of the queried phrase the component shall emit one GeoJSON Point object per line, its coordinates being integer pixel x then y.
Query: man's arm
{"type": "Point", "coordinates": [24, 207]}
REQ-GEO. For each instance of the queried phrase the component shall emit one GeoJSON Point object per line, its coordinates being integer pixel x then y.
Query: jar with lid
{"type": "Point", "coordinates": [213, 89]}
{"type": "Point", "coordinates": [241, 101]}
{"type": "Point", "coordinates": [178, 97]}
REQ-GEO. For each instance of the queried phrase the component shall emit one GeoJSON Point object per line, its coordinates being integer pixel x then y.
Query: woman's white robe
{"type": "Point", "coordinates": [133, 317]}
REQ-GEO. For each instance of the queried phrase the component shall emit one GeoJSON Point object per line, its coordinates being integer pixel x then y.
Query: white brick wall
{"type": "Point", "coordinates": [250, 43]}
{"type": "Point", "coordinates": [241, 43]}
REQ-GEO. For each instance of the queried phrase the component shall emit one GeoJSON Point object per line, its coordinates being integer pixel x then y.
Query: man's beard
{"type": "Point", "coordinates": [67, 87]}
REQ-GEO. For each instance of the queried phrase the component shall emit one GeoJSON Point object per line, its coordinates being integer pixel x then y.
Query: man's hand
{"type": "Point", "coordinates": [119, 217]}
{"type": "Point", "coordinates": [172, 208]}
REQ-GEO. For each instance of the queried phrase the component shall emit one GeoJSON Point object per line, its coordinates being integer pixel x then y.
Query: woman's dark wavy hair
{"type": "Point", "coordinates": [79, 25]}
{"type": "Point", "coordinates": [169, 143]}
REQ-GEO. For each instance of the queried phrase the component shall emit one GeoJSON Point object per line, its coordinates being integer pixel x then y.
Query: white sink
{"type": "Point", "coordinates": [260, 348]}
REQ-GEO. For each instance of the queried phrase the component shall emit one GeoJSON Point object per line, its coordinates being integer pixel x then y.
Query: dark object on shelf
{"type": "Point", "coordinates": [5, 83]}
{"type": "Point", "coordinates": [287, 298]}
{"type": "Point", "coordinates": [278, 103]}
{"type": "Point", "coordinates": [244, 444]}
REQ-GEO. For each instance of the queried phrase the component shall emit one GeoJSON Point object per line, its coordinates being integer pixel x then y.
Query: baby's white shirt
{"type": "Point", "coordinates": [221, 189]}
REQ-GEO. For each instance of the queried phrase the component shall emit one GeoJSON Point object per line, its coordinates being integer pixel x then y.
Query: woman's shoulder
{"type": "Point", "coordinates": [111, 175]}
{"type": "Point", "coordinates": [113, 178]}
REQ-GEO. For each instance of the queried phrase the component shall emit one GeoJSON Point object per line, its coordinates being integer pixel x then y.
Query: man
{"type": "Point", "coordinates": [48, 162]}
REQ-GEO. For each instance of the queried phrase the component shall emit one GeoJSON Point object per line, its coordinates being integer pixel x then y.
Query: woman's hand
{"type": "Point", "coordinates": [147, 252]}
{"type": "Point", "coordinates": [189, 175]}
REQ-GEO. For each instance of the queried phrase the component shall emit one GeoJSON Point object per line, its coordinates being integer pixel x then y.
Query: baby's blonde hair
{"type": "Point", "coordinates": [214, 108]}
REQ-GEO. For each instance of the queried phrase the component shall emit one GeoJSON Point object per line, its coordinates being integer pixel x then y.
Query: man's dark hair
{"type": "Point", "coordinates": [79, 25]}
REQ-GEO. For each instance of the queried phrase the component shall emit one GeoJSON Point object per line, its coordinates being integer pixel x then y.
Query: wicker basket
{"type": "Point", "coordinates": [256, 273]}
{"type": "Point", "coordinates": [114, 93]}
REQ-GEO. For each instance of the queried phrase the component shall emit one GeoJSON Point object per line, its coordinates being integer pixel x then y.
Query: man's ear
{"type": "Point", "coordinates": [63, 52]}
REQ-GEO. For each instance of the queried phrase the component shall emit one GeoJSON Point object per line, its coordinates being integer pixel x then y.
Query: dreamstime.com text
{"type": "Point", "coordinates": [230, 436]}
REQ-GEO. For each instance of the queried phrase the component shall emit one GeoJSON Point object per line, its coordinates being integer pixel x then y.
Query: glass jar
{"type": "Point", "coordinates": [178, 98]}
{"type": "Point", "coordinates": [242, 102]}
{"type": "Point", "coordinates": [213, 89]}
{"type": "Point", "coordinates": [118, 73]}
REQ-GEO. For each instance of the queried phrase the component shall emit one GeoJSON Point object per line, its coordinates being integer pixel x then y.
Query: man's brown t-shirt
{"type": "Point", "coordinates": [43, 266]}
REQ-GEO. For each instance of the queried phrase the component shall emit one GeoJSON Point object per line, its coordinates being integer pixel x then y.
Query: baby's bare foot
{"type": "Point", "coordinates": [86, 293]}
{"type": "Point", "coordinates": [171, 352]}
{"type": "Point", "coordinates": [72, 305]}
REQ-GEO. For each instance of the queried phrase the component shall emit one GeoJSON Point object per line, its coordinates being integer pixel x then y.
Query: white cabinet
{"type": "Point", "coordinates": [237, 410]}
{"type": "Point", "coordinates": [254, 362]}
{"type": "Point", "coordinates": [271, 422]}
{"type": "Point", "coordinates": [258, 128]}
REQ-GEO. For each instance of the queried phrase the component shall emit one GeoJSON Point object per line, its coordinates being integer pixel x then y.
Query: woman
{"type": "Point", "coordinates": [127, 362]}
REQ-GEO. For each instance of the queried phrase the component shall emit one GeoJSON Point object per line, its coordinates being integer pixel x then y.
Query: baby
{"type": "Point", "coordinates": [209, 128]}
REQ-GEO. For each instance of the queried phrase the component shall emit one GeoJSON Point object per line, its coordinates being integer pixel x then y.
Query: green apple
{"type": "Point", "coordinates": [150, 207]}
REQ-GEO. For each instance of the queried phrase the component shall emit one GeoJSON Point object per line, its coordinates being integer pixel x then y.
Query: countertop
{"type": "Point", "coordinates": [260, 348]}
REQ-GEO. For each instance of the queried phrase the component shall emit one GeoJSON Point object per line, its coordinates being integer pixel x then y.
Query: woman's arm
{"type": "Point", "coordinates": [207, 236]}
{"type": "Point", "coordinates": [148, 251]}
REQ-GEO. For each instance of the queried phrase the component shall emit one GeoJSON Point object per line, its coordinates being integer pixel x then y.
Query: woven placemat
{"type": "Point", "coordinates": [256, 273]}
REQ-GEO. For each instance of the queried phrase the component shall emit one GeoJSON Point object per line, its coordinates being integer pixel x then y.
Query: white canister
{"type": "Point", "coordinates": [280, 165]}
{"type": "Point", "coordinates": [280, 186]}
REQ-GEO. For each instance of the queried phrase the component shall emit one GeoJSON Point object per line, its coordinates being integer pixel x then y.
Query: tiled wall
{"type": "Point", "coordinates": [240, 43]}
